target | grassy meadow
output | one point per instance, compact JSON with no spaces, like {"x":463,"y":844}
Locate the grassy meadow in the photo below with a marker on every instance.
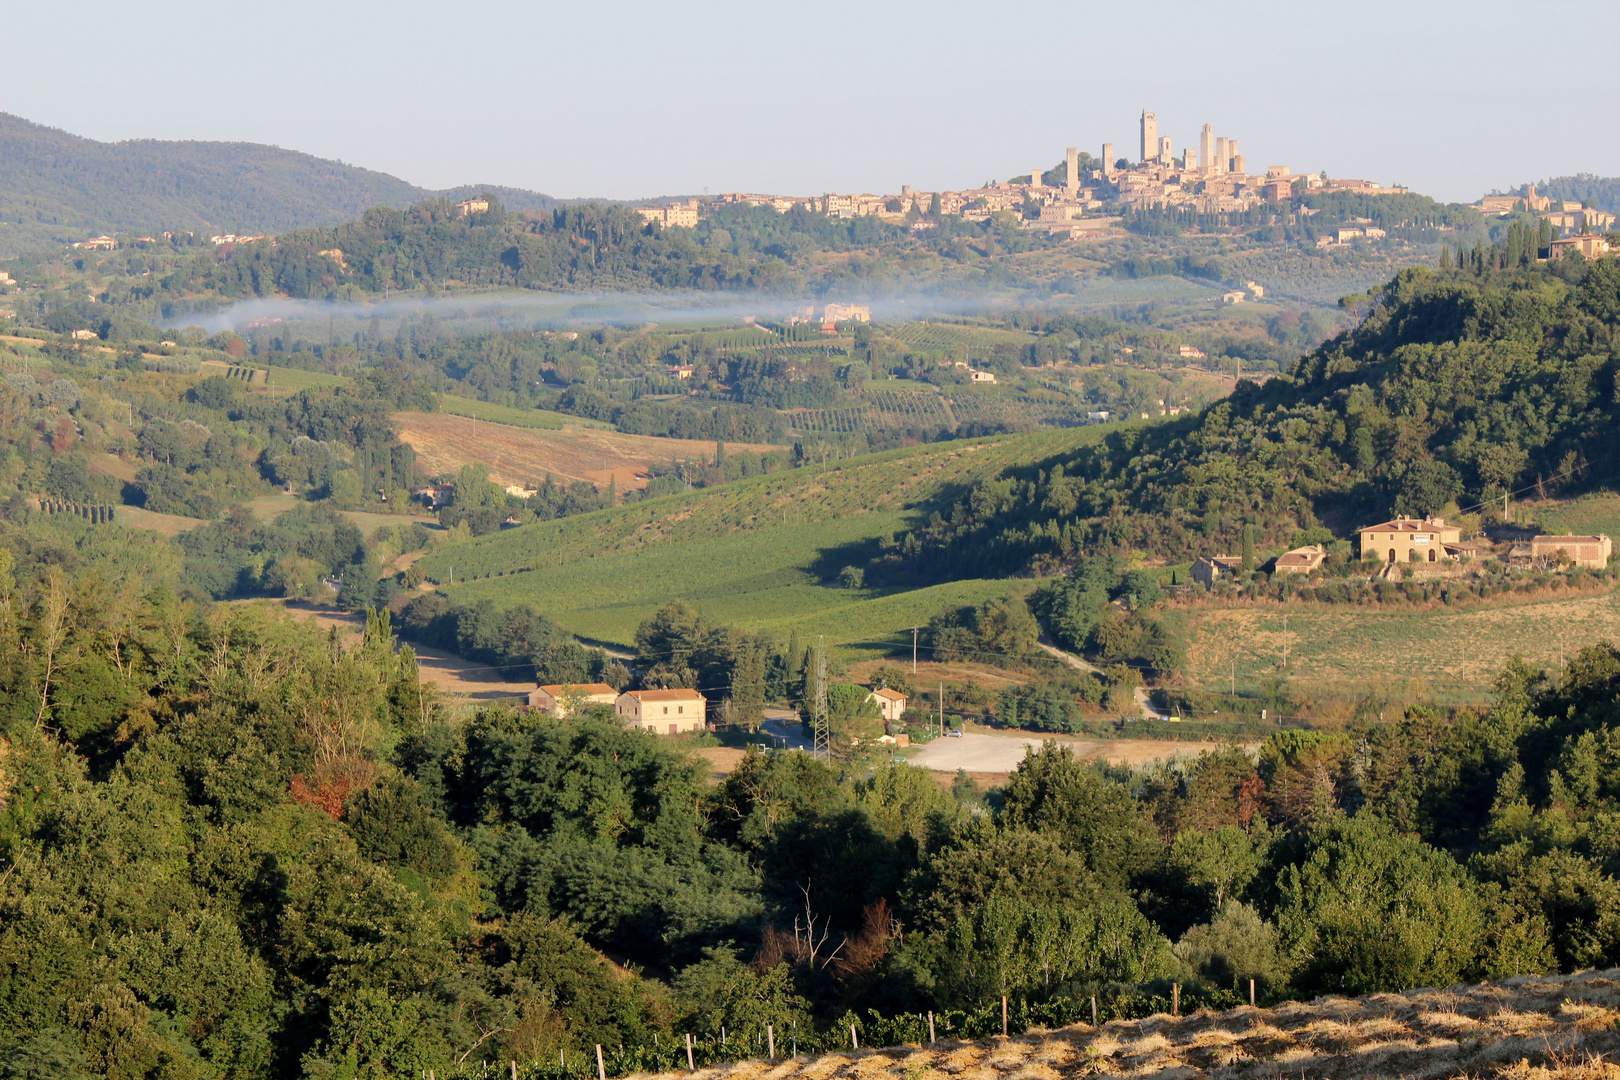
{"x":286,"y":378}
{"x":760,"y":553}
{"x":1355,"y":652}
{"x":1598,"y":512}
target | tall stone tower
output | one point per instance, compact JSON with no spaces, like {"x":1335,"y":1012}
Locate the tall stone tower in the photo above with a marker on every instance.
{"x":1166,"y":150}
{"x":1108,"y":159}
{"x":1223,"y":153}
{"x":1150,"y":136}
{"x":1071,"y":170}
{"x":1206,"y":148}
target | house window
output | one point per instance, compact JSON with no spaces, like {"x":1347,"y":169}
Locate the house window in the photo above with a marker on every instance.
{"x":666,"y":710}
{"x":680,"y":708}
{"x":1431,"y":554}
{"x":1391,"y":554}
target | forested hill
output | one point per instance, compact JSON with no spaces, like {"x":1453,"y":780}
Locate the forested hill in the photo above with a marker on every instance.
{"x":56,"y":188}
{"x":1459,"y":385}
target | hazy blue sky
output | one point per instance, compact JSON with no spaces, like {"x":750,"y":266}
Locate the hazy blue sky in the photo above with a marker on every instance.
{"x":626,"y":99}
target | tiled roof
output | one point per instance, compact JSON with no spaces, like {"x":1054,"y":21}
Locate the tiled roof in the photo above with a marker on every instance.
{"x":665,"y":695}
{"x":1407,"y":525}
{"x":559,"y":689}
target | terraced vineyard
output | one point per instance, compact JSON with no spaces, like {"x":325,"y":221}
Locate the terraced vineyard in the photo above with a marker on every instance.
{"x":751,"y":338}
{"x":757,"y":553}
{"x":889,"y":410}
{"x":900,"y":408}
{"x":829,"y":421}
{"x":503,"y":414}
{"x":975,"y":341}
{"x":982,"y":408}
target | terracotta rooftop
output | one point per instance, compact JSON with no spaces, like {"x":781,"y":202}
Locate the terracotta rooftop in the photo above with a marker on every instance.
{"x":559,"y":689}
{"x":664,"y":695}
{"x":1411,"y":525}
{"x":892,"y":695}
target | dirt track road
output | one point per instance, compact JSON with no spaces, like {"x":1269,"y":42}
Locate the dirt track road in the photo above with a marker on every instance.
{"x":455,"y":678}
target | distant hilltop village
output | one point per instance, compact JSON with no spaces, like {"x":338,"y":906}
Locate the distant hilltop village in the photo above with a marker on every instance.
{"x":1564,"y":217}
{"x":1075,"y":197}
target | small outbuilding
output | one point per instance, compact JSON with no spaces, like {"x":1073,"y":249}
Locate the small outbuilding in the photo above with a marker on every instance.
{"x":1301,"y":560}
{"x":1589,"y":551}
{"x":891,"y":703}
{"x":1211,"y":568}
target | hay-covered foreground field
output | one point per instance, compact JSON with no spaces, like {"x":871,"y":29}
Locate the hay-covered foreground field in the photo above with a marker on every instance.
{"x":1518,"y":1029}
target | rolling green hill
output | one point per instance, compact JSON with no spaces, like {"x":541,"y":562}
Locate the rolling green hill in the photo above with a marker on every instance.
{"x":56,"y":188}
{"x":760,"y":553}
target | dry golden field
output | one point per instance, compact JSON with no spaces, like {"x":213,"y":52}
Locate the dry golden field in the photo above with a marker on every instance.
{"x":1519,"y":1029}
{"x":444,"y":443}
{"x":1401,"y":652}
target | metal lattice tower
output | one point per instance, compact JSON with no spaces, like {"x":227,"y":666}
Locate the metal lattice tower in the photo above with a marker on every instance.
{"x":822,"y":746}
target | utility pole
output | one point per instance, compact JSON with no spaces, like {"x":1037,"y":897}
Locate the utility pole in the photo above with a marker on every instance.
{"x":942,"y":708}
{"x":1285,"y":642}
{"x":914,"y":650}
{"x":822,"y":746}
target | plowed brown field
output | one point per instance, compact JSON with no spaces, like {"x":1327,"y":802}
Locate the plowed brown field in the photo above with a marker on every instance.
{"x":444,"y":443}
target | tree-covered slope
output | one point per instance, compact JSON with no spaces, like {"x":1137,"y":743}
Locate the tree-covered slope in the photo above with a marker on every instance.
{"x":1458,"y":386}
{"x":56,"y":187}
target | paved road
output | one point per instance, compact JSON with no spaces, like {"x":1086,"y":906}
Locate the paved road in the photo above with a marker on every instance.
{"x":783,"y":724}
{"x":978,"y":752}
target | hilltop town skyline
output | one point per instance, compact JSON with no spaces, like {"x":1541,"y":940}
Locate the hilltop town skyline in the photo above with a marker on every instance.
{"x":952,"y":106}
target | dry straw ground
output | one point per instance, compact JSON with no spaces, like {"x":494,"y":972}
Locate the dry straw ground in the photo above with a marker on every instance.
{"x":1399,"y":652}
{"x":1517,"y":1029}
{"x":444,"y":443}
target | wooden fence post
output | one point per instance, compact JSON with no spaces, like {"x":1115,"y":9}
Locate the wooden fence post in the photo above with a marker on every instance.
{"x":1094,"y":1011}
{"x":1175,"y":999}
{"x":514,"y":1069}
{"x":930,"y":1029}
{"x":770,"y":1041}
{"x":1251,"y":992}
{"x":690,"y":1063}
{"x":1003,"y":1016}
{"x":601,"y":1069}
{"x":854,"y":1039}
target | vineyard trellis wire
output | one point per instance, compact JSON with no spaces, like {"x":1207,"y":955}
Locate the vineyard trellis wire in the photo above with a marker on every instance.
{"x":874,"y":1030}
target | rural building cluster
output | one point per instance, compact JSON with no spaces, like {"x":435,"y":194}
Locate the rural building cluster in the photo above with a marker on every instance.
{"x":675,"y":711}
{"x":1433,"y":544}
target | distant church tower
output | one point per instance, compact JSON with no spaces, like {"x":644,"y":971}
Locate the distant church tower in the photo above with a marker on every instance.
{"x":1150,"y":136}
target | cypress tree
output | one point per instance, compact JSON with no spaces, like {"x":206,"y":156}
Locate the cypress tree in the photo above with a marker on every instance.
{"x":1248,"y":548}
{"x":1445,"y":256}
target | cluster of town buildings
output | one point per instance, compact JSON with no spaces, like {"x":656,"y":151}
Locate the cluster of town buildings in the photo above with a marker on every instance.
{"x":1423,"y":541}
{"x":668,"y":712}
{"x":1565,"y":216}
{"x":1212,"y":177}
{"x":1575,"y":228}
